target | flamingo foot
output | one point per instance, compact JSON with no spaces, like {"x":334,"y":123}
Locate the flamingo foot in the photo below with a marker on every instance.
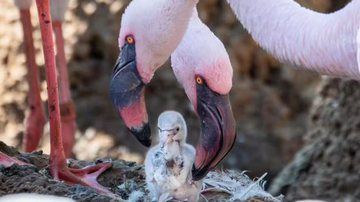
{"x":68,"y":126}
{"x":34,"y":129}
{"x":85,"y":176}
{"x":8,"y":161}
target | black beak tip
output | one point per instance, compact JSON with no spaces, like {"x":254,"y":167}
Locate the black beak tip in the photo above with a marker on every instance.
{"x":143,"y":134}
{"x":198,"y":174}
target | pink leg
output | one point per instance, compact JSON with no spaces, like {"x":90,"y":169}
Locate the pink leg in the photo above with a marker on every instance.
{"x":8,"y":161}
{"x":36,"y":120}
{"x":58,"y":167}
{"x":67,"y":109}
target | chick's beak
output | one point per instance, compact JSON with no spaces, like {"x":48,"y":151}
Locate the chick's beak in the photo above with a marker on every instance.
{"x":127,"y":94}
{"x":167,"y":136}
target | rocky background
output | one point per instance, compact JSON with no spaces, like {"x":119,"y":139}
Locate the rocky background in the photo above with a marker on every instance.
{"x":272,"y":102}
{"x":328,"y":166}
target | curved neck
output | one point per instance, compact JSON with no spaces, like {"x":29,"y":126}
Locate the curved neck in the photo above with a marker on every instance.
{"x":358,"y":49}
{"x":325,"y":43}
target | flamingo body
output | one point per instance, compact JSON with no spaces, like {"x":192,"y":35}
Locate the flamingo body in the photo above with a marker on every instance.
{"x":33,"y":197}
{"x":23,"y":4}
{"x":58,"y":8}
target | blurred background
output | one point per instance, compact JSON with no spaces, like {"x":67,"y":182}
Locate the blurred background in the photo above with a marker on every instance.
{"x":271,"y":100}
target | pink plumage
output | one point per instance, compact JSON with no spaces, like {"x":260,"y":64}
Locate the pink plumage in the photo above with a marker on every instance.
{"x":201,"y":53}
{"x":58,"y":8}
{"x":325,"y":43}
{"x":23,"y":4}
{"x":358,"y":49}
{"x":157,"y":27}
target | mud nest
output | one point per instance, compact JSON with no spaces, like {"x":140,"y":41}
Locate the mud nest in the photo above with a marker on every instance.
{"x":123,"y":178}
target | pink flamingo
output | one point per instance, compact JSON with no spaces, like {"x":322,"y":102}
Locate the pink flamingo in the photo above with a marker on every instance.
{"x":58,"y":167}
{"x":325,"y":43}
{"x":202,"y":66}
{"x":150,"y":32}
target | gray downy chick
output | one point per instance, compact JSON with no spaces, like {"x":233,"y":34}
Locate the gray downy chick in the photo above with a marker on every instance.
{"x":168,"y":164}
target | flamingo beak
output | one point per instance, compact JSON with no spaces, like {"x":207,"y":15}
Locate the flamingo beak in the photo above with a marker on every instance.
{"x":168,"y":135}
{"x":127,"y":94}
{"x":218,"y":131}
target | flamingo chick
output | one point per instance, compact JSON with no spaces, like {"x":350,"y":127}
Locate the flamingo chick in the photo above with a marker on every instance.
{"x":325,"y":43}
{"x":202,"y":66}
{"x":168,"y":164}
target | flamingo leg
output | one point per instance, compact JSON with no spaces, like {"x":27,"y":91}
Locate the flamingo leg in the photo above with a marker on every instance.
{"x":35,"y":121}
{"x":58,"y":167}
{"x":67,"y":109}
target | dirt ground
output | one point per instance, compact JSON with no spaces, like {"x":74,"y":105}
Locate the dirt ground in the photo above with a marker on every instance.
{"x":274,"y":105}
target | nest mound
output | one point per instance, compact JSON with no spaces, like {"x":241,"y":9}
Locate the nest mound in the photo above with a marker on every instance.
{"x":125,"y":179}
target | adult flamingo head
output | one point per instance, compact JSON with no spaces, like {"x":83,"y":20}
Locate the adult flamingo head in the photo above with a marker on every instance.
{"x":202,"y":66}
{"x":150,"y":32}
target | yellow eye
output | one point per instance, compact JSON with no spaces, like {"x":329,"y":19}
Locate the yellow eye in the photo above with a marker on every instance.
{"x":130,"y":39}
{"x":199,"y":80}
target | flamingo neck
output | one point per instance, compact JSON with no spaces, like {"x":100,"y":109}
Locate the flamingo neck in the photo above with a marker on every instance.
{"x":358,"y":49}
{"x":325,"y":43}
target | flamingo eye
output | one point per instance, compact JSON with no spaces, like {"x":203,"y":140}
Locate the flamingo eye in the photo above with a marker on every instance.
{"x":199,"y":80}
{"x":130,"y":39}
{"x":177,"y":129}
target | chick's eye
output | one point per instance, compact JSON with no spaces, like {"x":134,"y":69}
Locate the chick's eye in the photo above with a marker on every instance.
{"x":130,"y":39}
{"x":177,"y":128}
